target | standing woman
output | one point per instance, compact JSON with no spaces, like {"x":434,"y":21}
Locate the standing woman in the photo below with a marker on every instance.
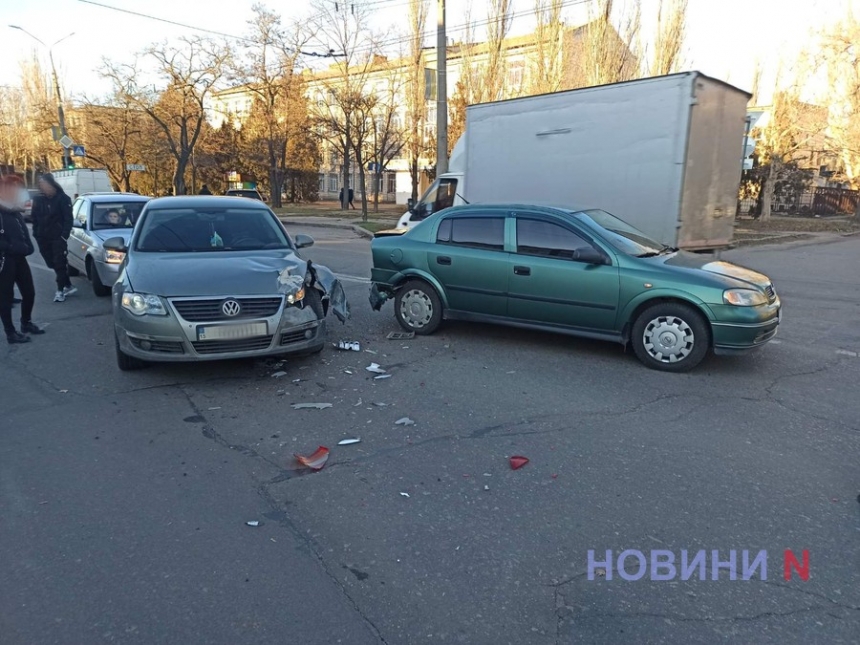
{"x":15,"y":246}
{"x":52,"y":225}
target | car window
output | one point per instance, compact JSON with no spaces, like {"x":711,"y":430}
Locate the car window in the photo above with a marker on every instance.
{"x":444,"y":233}
{"x":477,"y":232}
{"x":175,"y":230}
{"x":620,"y":234}
{"x":545,"y":239}
{"x":116,"y":214}
{"x":79,"y":213}
{"x":438,"y":197}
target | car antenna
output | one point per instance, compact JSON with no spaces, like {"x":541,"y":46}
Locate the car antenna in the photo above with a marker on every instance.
{"x":463,"y":198}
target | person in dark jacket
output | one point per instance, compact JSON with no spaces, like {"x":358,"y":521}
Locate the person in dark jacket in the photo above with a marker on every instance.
{"x":15,"y":246}
{"x":205,"y":190}
{"x":52,"y":225}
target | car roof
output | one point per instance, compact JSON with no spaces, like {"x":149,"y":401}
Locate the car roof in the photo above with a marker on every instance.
{"x":202,"y":201}
{"x":481,"y":209}
{"x":112,"y":197}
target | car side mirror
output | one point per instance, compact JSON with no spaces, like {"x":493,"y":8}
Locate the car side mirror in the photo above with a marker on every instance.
{"x":304,"y":241}
{"x":78,"y":224}
{"x":590,"y":255}
{"x":115,"y":244}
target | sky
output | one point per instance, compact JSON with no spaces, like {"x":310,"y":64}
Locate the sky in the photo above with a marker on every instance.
{"x":725,"y":38}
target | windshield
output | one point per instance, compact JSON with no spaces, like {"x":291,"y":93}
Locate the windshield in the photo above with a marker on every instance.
{"x":116,"y":214}
{"x":621,"y":235}
{"x":175,"y":230}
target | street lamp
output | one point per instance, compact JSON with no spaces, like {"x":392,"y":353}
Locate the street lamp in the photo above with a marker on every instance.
{"x":67,"y":161}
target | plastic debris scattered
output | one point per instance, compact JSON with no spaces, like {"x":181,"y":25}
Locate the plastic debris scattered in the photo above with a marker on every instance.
{"x":64,"y":391}
{"x":518,"y":462}
{"x":348,"y":442}
{"x":486,"y":487}
{"x":405,"y":421}
{"x":298,"y":380}
{"x":315,"y":461}
{"x":380,"y":404}
{"x":381,"y":376}
{"x":370,"y":351}
{"x":348,"y":345}
{"x":216,"y":408}
{"x":400,"y":335}
{"x":308,"y":406}
{"x":357,"y":404}
{"x":405,"y":494}
{"x":348,"y":372}
{"x":253,"y":523}
{"x":375,"y":368}
{"x":279,"y":374}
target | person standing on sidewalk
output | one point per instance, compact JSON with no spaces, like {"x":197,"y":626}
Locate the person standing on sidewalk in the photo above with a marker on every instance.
{"x":15,"y":246}
{"x":52,"y":225}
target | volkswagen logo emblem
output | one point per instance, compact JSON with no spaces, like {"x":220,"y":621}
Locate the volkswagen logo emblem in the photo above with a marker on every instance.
{"x":231,"y":308}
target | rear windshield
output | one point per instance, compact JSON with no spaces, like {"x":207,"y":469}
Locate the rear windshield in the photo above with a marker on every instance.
{"x":253,"y":194}
{"x":183,"y":230}
{"x":116,"y":214}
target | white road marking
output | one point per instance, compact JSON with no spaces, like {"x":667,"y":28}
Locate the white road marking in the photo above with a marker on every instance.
{"x":845,"y":352}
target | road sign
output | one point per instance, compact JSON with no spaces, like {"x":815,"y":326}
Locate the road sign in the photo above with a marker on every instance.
{"x":79,"y":151}
{"x":66,"y":141}
{"x":135,"y":166}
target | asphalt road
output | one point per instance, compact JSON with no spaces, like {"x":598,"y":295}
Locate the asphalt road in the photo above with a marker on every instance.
{"x":124,"y":496}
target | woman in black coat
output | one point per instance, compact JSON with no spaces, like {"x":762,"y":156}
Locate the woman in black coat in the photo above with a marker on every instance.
{"x":15,"y":246}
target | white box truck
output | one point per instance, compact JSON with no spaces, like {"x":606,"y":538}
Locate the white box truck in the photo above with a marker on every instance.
{"x":664,"y":153}
{"x":77,"y":181}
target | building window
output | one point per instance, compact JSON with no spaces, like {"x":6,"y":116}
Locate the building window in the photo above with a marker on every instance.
{"x":515,"y":77}
{"x":321,"y":185}
{"x":332,"y":183}
{"x":391,"y":181}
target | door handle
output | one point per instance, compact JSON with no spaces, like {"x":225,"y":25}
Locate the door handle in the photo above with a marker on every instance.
{"x":522,"y":270}
{"x":443,"y":259}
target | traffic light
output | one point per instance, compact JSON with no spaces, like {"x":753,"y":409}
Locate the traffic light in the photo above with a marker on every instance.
{"x":70,"y":164}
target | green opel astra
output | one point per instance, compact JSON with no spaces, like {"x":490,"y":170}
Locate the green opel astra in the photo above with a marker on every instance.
{"x":579,"y":272}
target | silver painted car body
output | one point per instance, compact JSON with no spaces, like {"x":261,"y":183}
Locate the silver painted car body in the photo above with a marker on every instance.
{"x":201,"y":289}
{"x":86,"y":244}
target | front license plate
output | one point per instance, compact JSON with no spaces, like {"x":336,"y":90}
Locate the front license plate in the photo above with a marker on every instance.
{"x":232,"y":332}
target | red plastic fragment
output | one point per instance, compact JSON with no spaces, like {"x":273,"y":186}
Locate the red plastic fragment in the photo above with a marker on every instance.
{"x":518,"y":462}
{"x":315,"y":461}
{"x":555,"y":476}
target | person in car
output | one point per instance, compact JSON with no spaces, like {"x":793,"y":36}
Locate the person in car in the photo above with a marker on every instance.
{"x":52,"y":225}
{"x":15,"y":246}
{"x":113,"y":219}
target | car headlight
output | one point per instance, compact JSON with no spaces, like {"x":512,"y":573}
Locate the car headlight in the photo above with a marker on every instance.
{"x":298,"y":296}
{"x":744,"y":297}
{"x":114,"y":257}
{"x":141,"y":304}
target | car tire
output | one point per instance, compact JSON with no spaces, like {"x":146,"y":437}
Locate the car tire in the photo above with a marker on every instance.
{"x":99,"y":288}
{"x":670,"y":337}
{"x":125,"y":362}
{"x":418,"y":307}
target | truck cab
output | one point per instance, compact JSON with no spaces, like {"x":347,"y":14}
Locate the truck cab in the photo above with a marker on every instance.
{"x":443,"y":193}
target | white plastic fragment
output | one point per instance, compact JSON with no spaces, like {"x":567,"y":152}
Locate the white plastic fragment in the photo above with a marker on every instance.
{"x":370,"y":351}
{"x":279,"y":374}
{"x":307,"y":406}
{"x":381,"y":376}
{"x":348,"y":442}
{"x":486,"y":487}
{"x":348,"y":345}
{"x":405,"y":421}
{"x":357,"y":404}
{"x":405,"y":494}
{"x":348,"y":372}
{"x":375,"y":368}
{"x":253,"y":523}
{"x":215,"y":408}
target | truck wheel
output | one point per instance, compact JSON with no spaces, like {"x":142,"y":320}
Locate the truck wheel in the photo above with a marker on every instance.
{"x":125,"y":362}
{"x":99,"y":289}
{"x":671,"y":337}
{"x":418,"y":308}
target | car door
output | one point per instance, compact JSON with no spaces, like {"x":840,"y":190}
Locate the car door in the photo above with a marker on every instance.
{"x":79,"y":237}
{"x":549,"y":283}
{"x":470,"y":262}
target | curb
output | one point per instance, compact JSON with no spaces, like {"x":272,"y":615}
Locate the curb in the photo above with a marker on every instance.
{"x":363,"y":232}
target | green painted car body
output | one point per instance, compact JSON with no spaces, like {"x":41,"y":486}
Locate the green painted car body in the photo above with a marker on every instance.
{"x":595,"y":284}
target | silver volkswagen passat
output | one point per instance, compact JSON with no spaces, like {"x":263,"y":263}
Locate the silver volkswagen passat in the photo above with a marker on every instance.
{"x":207,"y":278}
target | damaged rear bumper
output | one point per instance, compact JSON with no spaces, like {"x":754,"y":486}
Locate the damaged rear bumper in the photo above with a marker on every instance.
{"x":379,"y":297}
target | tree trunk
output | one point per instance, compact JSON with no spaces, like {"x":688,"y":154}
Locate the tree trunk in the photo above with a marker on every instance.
{"x":363,"y":182}
{"x":376,"y":191}
{"x":179,"y":187}
{"x":767,"y":192}
{"x":413,"y":174}
{"x":346,"y":148}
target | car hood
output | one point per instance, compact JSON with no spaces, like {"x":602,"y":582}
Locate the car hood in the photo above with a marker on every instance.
{"x":177,"y":275}
{"x":735,"y":273}
{"x":124,"y":233}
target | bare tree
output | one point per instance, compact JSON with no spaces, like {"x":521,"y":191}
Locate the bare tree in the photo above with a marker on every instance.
{"x":388,"y":138}
{"x":608,"y":53}
{"x":190,"y":69}
{"x":756,"y":83}
{"x":344,"y":30}
{"x":416,"y":92}
{"x":499,"y":23}
{"x":548,"y":65}
{"x":669,"y":41}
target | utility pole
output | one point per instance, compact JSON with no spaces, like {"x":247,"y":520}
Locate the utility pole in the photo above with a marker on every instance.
{"x":67,"y":160}
{"x":441,"y":91}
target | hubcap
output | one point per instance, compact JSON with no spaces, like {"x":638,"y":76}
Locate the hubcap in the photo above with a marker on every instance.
{"x":416,"y":308}
{"x":668,"y":339}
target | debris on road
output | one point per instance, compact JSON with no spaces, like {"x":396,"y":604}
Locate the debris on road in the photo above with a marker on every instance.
{"x":315,"y":461}
{"x":279,"y":374}
{"x":348,"y":442}
{"x":348,"y":345}
{"x":486,"y":487}
{"x":375,"y":368}
{"x":215,"y":408}
{"x":253,"y":523}
{"x":405,"y":421}
{"x":405,"y":494}
{"x":348,"y":372}
{"x":400,"y":335}
{"x":298,"y":380}
{"x":381,"y":376}
{"x":380,"y":404}
{"x":64,"y":391}
{"x":518,"y":462}
{"x":308,"y":406}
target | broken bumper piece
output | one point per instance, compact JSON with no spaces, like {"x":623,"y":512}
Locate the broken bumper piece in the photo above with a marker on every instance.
{"x":377,"y":298}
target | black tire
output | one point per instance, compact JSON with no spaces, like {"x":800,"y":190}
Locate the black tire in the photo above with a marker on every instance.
{"x":99,"y":289}
{"x":684,"y":329}
{"x":418,"y":307}
{"x":125,"y":362}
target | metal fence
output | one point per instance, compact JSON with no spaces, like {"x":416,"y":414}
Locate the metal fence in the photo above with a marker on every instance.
{"x":819,"y":202}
